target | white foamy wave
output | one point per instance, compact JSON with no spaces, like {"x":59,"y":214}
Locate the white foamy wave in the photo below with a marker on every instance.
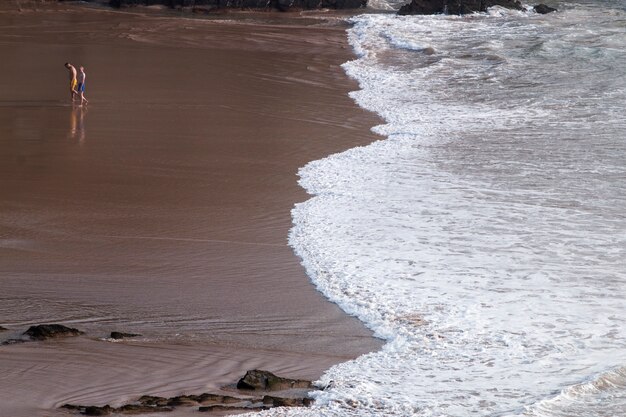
{"x":484,"y":239}
{"x":587,"y":398}
{"x":380,"y":5}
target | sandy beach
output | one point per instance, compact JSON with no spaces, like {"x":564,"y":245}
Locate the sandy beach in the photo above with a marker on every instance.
{"x":164,"y":207}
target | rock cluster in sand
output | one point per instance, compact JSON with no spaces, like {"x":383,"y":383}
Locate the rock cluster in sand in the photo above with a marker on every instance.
{"x":287,"y":392}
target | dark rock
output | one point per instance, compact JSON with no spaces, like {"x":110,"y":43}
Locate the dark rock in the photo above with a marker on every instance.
{"x":221,"y":399}
{"x":543,"y":9}
{"x":140,"y":409}
{"x":273,"y":401}
{"x":190,"y":400}
{"x":106,"y":410}
{"x":220,"y":407}
{"x":98,"y":411}
{"x":455,"y":6}
{"x":208,"y":6}
{"x":227,"y":399}
{"x":253,"y":380}
{"x":49,"y":331}
{"x":183,"y":400}
{"x":210,"y":398}
{"x":153,"y":401}
{"x":3,"y":329}
{"x":121,"y":335}
{"x":258,"y":380}
{"x":72,"y":407}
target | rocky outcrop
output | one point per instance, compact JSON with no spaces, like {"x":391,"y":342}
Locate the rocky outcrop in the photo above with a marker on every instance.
{"x":229,"y":408}
{"x":50,"y":331}
{"x":153,"y":404}
{"x":121,"y":335}
{"x":107,"y":409}
{"x":203,"y":6}
{"x":455,"y":6}
{"x":287,"y":393}
{"x":543,"y":9}
{"x":258,"y":380}
{"x":44,"y":332}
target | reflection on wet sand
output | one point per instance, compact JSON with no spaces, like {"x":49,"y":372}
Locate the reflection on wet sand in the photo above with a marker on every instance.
{"x":77,"y":123}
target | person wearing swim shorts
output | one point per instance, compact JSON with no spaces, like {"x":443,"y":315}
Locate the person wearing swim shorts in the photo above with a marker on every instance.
{"x":73,"y":81}
{"x":81,"y":86}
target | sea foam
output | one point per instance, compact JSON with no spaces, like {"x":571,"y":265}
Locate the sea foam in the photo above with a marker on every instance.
{"x":483,"y":237}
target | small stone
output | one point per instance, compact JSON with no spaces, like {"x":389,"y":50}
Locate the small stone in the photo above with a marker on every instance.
{"x":543,"y":9}
{"x":121,"y":335}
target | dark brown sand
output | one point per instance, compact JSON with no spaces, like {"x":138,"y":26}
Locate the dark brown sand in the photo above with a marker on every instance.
{"x":164,"y":207}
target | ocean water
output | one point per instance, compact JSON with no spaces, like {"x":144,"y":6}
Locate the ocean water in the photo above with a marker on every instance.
{"x":484,"y":236}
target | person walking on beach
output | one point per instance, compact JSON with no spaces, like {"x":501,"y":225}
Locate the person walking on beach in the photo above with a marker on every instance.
{"x":73,"y":81}
{"x":81,"y":86}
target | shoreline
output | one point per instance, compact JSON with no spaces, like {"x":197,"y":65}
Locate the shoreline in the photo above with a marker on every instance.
{"x":164,"y":207}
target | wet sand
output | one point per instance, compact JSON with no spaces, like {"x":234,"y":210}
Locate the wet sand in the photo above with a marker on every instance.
{"x":164,"y":207}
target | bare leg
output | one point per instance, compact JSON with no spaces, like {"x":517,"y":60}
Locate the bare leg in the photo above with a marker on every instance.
{"x":83,"y":98}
